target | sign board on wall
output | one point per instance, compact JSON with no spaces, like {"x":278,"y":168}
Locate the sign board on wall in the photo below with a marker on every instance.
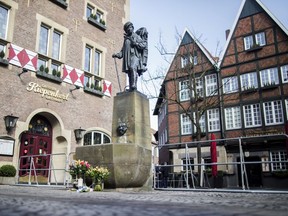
{"x":6,"y":147}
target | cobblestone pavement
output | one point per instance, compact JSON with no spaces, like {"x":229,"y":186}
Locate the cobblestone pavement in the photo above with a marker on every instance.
{"x":23,"y":200}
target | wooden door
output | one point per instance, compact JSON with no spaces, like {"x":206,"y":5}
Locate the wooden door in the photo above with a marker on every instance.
{"x":36,"y":145}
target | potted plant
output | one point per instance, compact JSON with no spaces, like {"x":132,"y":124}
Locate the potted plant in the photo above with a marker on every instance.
{"x":61,"y":3}
{"x":2,"y":60}
{"x":98,"y":175}
{"x":7,"y":174}
{"x":54,"y":72}
{"x":42,"y":68}
{"x":78,"y":170}
{"x":46,"y":70}
{"x":44,"y":73}
{"x":92,"y":19}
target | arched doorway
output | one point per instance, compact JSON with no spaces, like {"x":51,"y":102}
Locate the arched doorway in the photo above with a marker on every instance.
{"x":35,"y":143}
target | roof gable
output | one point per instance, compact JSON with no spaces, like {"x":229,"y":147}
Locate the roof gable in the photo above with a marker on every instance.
{"x":187,"y":39}
{"x":249,"y":8}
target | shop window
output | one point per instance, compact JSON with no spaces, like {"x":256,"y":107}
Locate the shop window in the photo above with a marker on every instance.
{"x":96,"y":138}
{"x":187,"y":163}
{"x":207,"y":162}
{"x":279,"y":159}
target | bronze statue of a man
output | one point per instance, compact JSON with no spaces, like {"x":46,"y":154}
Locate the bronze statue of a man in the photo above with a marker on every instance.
{"x":134,"y":53}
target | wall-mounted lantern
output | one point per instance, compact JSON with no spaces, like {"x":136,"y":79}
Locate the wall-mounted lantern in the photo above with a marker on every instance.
{"x":10,"y":122}
{"x":79,"y":133}
{"x":24,"y":70}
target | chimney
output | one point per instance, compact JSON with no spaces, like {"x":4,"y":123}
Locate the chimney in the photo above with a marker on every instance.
{"x":227,"y":32}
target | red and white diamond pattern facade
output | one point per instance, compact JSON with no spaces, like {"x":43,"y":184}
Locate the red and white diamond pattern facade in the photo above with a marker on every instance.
{"x":107,"y":88}
{"x":27,"y":59}
{"x":73,"y":76}
{"x":22,"y":57}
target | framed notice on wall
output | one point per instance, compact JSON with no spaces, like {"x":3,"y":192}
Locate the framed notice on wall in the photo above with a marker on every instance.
{"x":7,"y":147}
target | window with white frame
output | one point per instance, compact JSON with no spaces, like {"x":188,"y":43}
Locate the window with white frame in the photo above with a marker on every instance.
{"x":99,"y":15}
{"x":252,"y":115}
{"x":50,"y":45}
{"x":273,"y":112}
{"x":230,"y":84}
{"x":279,"y":158}
{"x":92,"y":67}
{"x":184,"y":90}
{"x":94,"y":12}
{"x":213,"y":118}
{"x":199,"y":87}
{"x":43,"y":40}
{"x":286,"y":104}
{"x":249,"y":81}
{"x":4,"y":13}
{"x":187,"y":163}
{"x":284,"y":73}
{"x":211,"y":85}
{"x":185,"y":60}
{"x":202,"y":123}
{"x":2,"y":47}
{"x":207,"y":162}
{"x":186,"y":124}
{"x":232,"y":118}
{"x":7,"y":14}
{"x":56,"y":44}
{"x":48,"y":34}
{"x":260,"y":39}
{"x":96,"y":137}
{"x":89,"y":10}
{"x":163,"y":138}
{"x":250,"y":42}
{"x":162,"y":112}
{"x":269,"y":77}
{"x":195,"y":58}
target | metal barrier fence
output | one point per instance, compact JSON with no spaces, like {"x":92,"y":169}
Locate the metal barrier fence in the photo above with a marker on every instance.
{"x":195,"y":176}
{"x":53,"y":174}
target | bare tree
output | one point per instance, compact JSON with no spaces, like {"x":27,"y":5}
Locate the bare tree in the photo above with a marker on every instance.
{"x":186,"y":77}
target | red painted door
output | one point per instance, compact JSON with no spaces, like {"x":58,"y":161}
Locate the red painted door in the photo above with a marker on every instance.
{"x":36,"y":144}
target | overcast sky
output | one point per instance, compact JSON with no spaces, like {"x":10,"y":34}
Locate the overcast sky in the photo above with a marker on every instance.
{"x":206,"y":19}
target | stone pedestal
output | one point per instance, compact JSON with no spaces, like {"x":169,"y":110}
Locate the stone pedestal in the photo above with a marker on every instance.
{"x":128,"y":157}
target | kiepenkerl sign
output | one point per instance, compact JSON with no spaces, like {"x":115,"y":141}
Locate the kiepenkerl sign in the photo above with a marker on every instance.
{"x":49,"y":93}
